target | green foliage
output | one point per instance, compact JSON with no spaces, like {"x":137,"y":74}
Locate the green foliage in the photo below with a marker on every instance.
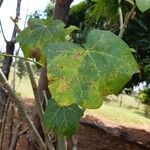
{"x":78,"y":75}
{"x":49,"y":9}
{"x":147,"y":111}
{"x":144,"y":96}
{"x":102,"y":68}
{"x":35,"y":37}
{"x":70,"y":29}
{"x":21,"y":70}
{"x":63,"y":120}
{"x":143,"y":5}
{"x":147,"y":73}
{"x":101,"y":8}
{"x":137,"y":35}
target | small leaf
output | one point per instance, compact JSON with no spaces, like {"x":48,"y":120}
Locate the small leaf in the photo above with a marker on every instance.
{"x":63,"y":120}
{"x":143,"y":5}
{"x":70,"y":29}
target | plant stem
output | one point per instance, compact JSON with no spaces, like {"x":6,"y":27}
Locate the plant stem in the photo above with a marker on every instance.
{"x":15,"y":137}
{"x":38,"y":103}
{"x":61,"y":143}
{"x":120,"y":18}
{"x":1,"y":1}
{"x":21,"y":110}
{"x":124,"y":22}
{"x":2,"y":32}
{"x":34,"y":88}
{"x":26,"y":59}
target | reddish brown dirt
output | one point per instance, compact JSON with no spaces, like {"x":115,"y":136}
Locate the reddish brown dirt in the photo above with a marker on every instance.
{"x":93,"y":134}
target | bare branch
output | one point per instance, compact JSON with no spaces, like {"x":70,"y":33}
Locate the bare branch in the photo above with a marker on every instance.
{"x":3,"y":125}
{"x":126,"y":21}
{"x":21,"y":110}
{"x":34,"y":88}
{"x":17,"y":18}
{"x":14,"y":137}
{"x":120,"y":18}
{"x":1,"y":1}
{"x":23,"y":131}
{"x":23,"y":58}
{"x":2,"y":31}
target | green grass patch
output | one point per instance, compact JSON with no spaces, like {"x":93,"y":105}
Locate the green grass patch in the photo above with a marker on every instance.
{"x":124,"y":114}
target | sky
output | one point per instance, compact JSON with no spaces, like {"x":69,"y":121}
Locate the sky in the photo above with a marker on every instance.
{"x":8,"y":9}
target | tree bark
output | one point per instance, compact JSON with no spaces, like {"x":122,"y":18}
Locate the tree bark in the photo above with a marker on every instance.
{"x":61,"y":10}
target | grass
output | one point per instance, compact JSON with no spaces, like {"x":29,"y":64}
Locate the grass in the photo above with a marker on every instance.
{"x":128,"y":113}
{"x":23,"y":86}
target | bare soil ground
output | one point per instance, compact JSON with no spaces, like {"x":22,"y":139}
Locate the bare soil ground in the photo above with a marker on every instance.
{"x":96,"y":134}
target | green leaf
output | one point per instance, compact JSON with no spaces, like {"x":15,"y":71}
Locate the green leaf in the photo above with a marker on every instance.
{"x":107,"y":66}
{"x":143,"y":5}
{"x":38,"y":34}
{"x":63,"y":120}
{"x":85,"y":76}
{"x":101,"y":8}
{"x":70,"y":29}
{"x":63,"y":60}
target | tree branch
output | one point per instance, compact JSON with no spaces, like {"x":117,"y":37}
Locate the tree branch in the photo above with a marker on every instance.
{"x":15,"y":137}
{"x":26,"y":59}
{"x":1,"y":1}
{"x":120,"y":18}
{"x":17,"y":18}
{"x":3,"y":32}
{"x":21,"y":110}
{"x":124,"y":23}
{"x":34,"y":88}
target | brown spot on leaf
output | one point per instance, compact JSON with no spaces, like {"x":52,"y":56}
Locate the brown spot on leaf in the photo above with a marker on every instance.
{"x":36,"y":53}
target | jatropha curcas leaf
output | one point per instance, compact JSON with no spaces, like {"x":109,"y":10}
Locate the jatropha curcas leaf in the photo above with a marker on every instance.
{"x":64,"y":120}
{"x":84,"y":76}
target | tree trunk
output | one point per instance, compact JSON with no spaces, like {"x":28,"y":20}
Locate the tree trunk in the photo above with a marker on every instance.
{"x":61,"y":10}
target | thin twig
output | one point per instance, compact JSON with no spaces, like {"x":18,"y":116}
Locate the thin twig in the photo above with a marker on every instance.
{"x":14,"y":137}
{"x":2,"y":31}
{"x":120,"y":17}
{"x":21,"y":110}
{"x":34,"y":88}
{"x":124,"y":22}
{"x":61,"y":143}
{"x":45,"y":97}
{"x":1,"y":2}
{"x":14,"y":71}
{"x":10,"y":122}
{"x":16,"y":27}
{"x":38,"y":103}
{"x":23,"y":131}
{"x":3,"y":125}
{"x":26,"y":59}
